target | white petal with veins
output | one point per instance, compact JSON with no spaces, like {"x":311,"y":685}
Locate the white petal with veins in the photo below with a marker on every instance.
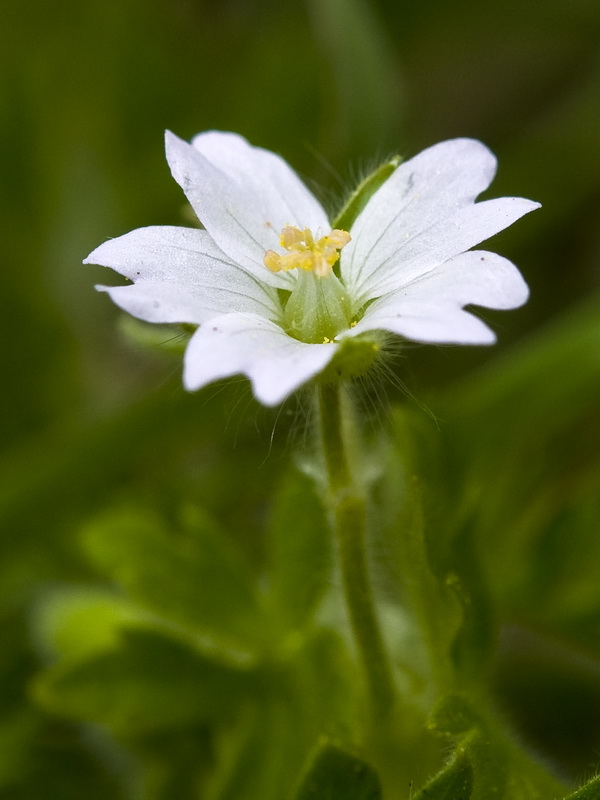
{"x":241,"y":208}
{"x":209,"y":282}
{"x":430,"y":308}
{"x":423,"y":215}
{"x":276,"y":364}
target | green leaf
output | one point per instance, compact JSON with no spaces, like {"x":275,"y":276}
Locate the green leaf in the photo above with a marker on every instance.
{"x":534,"y":526}
{"x":17,"y":732}
{"x":338,"y":775}
{"x":261,"y":756}
{"x":45,"y":758}
{"x":300,"y":546}
{"x":454,"y":715}
{"x":591,"y":791}
{"x":265,"y":754}
{"x":78,"y":623}
{"x":454,"y":782}
{"x":172,"y":764}
{"x":500,"y":767}
{"x":146,"y":683}
{"x":434,"y":610}
{"x":192,"y":576}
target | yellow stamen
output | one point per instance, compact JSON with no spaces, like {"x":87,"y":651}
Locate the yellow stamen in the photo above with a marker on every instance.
{"x":304,"y":253}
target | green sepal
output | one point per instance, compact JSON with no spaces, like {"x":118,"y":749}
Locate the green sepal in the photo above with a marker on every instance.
{"x":335,"y":774}
{"x":353,"y":358}
{"x":363,"y":193}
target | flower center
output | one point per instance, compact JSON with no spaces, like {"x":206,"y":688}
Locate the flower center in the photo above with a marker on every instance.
{"x":305,"y":253}
{"x":318,"y":306}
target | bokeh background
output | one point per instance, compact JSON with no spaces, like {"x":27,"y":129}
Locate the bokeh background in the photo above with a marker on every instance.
{"x":89,"y":417}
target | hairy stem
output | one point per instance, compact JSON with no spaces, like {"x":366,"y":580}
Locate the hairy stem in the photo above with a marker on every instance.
{"x":348,"y":508}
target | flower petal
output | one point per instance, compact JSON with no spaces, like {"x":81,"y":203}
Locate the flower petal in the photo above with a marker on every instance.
{"x":251,"y":345}
{"x":423,"y":215}
{"x":429,"y":309}
{"x":153,"y":301}
{"x":243,"y":195}
{"x":199,"y":280}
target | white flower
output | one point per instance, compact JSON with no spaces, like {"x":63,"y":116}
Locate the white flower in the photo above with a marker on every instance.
{"x":259,"y":283}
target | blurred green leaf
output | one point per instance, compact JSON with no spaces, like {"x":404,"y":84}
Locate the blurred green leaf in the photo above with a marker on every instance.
{"x":364,"y":100}
{"x":537,"y":406}
{"x":191,"y":575}
{"x":540,"y":387}
{"x":147,"y":682}
{"x":312,"y":693}
{"x":300,"y":546}
{"x":335,"y":774}
{"x":413,"y":537}
{"x":261,"y":756}
{"x":591,"y":791}
{"x":549,"y":687}
{"x":17,"y":732}
{"x":173,"y":763}
{"x":500,"y":768}
{"x":54,"y":760}
{"x":454,"y":782}
{"x":76,"y":622}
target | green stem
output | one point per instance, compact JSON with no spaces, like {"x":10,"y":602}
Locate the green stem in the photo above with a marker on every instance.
{"x":348,"y":508}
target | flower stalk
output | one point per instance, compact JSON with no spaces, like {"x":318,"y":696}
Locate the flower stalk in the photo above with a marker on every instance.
{"x":348,"y":511}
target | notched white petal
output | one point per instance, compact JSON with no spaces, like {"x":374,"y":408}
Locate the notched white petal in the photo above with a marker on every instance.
{"x":156,"y":302}
{"x":276,"y":364}
{"x":425,"y":198}
{"x":430,"y":308}
{"x":428,"y":187}
{"x":164,"y":255}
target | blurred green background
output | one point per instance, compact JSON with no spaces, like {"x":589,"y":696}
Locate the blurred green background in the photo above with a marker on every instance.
{"x":88,"y":419}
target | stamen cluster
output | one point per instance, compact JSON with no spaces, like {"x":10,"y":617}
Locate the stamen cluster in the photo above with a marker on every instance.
{"x":305,"y":253}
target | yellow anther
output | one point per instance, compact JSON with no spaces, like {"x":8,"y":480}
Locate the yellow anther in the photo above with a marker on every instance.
{"x":304,"y":253}
{"x":272,"y":260}
{"x":339,"y":238}
{"x":291,"y":237}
